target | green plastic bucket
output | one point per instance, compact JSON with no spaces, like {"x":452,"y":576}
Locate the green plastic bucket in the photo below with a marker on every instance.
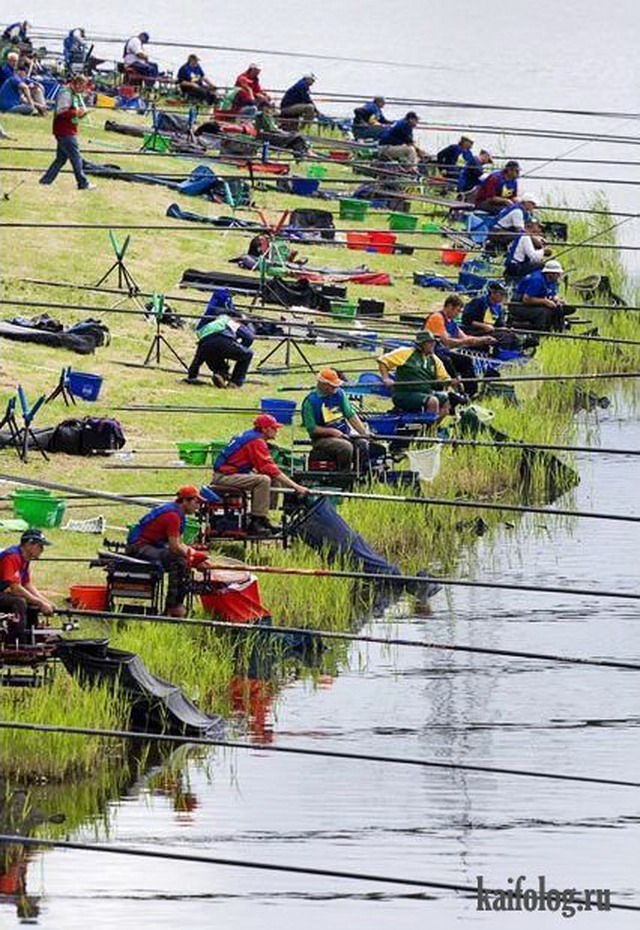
{"x":316,"y":171}
{"x":193,"y":453}
{"x":430,"y":227}
{"x":402,"y":221}
{"x":343,"y":310}
{"x":38,"y":507}
{"x":351,"y":209}
{"x":191,"y":530}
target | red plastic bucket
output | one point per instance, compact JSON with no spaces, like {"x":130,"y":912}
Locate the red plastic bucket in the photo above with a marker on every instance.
{"x":89,"y":596}
{"x":237,"y":604}
{"x":340,"y":155}
{"x":381,"y":242}
{"x":452,"y":257}
{"x":358,"y":240}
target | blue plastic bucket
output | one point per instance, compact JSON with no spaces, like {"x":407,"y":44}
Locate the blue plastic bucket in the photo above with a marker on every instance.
{"x":304,"y":186}
{"x":282,"y":410}
{"x":82,"y":384}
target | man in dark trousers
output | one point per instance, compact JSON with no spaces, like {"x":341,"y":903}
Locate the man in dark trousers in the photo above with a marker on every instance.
{"x":18,"y":595}
{"x":222,"y":334}
{"x":70,"y":109}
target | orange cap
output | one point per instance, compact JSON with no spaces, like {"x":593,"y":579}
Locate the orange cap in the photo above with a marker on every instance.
{"x":330,"y":376}
{"x":187,"y":491}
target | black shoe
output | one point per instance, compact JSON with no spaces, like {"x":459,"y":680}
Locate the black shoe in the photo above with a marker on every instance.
{"x":259,"y":529}
{"x":264,"y":521}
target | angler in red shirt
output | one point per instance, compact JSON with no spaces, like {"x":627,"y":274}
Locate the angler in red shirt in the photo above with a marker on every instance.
{"x":250,"y":93}
{"x":245,"y":464}
{"x":18,"y":595}
{"x":70,"y":109}
{"x":157,"y":537}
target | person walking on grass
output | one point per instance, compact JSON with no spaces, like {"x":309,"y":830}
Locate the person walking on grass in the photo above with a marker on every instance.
{"x":70,"y":109}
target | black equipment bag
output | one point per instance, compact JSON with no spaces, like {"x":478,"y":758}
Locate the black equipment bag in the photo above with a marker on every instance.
{"x":90,"y":434}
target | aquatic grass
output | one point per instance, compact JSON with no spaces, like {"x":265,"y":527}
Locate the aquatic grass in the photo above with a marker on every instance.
{"x":32,"y":756}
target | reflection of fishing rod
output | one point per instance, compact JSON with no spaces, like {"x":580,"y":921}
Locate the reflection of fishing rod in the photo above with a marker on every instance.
{"x":603,"y":375}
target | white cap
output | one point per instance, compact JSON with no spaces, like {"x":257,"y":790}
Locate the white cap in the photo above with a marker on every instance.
{"x":527,"y":197}
{"x":553,"y":267}
{"x":309,"y":77}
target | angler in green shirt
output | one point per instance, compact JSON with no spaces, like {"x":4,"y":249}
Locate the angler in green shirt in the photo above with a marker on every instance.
{"x":418,"y":383}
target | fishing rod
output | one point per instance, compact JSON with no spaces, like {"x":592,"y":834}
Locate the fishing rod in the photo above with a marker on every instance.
{"x":270,"y":630}
{"x":467,"y":890}
{"x":210,"y":229}
{"x":521,"y":444}
{"x":164,"y":175}
{"x":260,"y":51}
{"x":241,"y":158}
{"x":303,"y":311}
{"x":409,"y":499}
{"x":514,"y":379}
{"x":317,"y":753}
{"x":382,"y":498}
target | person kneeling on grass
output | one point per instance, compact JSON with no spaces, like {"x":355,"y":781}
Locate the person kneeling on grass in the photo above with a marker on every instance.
{"x":18,"y":595}
{"x":245,"y":464}
{"x":157,"y":537}
{"x":222,"y":333}
{"x":337,"y":433}
{"x":419,"y":381}
{"x":70,"y":109}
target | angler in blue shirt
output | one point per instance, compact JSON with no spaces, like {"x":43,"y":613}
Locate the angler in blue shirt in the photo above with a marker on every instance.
{"x":297,"y":103}
{"x":536,"y":304}
{"x":369,"y":120}
{"x":396,"y":142}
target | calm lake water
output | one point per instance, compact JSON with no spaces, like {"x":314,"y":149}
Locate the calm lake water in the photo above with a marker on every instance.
{"x":427,"y":824}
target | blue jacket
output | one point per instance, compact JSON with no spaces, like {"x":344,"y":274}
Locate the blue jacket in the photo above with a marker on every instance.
{"x":136,"y":531}
{"x":399,"y":133}
{"x":242,"y":439}
{"x":535,"y":285}
{"x":368,"y":112}
{"x":298,"y":93}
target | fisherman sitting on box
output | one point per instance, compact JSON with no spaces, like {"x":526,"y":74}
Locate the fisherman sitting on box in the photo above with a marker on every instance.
{"x":337,"y":433}
{"x":157,"y":537}
{"x":245,"y":464}
{"x":18,"y":595}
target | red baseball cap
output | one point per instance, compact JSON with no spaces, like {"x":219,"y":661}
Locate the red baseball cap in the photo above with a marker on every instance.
{"x":266,"y":421}
{"x":187,"y":491}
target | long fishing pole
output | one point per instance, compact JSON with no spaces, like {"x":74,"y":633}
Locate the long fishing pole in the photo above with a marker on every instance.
{"x":183,"y":176}
{"x":522,"y":445}
{"x":508,"y":586}
{"x":317,"y":753}
{"x":271,"y":630}
{"x":203,"y":228}
{"x":468,"y":890}
{"x":145,"y":153}
{"x":383,"y":498}
{"x":302,"y":311}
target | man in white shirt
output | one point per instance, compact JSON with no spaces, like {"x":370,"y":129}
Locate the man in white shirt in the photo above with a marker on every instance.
{"x":511,"y":221}
{"x":136,"y":59}
{"x":526,"y":253}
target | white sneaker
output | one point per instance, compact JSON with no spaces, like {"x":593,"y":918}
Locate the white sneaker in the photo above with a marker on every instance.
{"x":89,"y":187}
